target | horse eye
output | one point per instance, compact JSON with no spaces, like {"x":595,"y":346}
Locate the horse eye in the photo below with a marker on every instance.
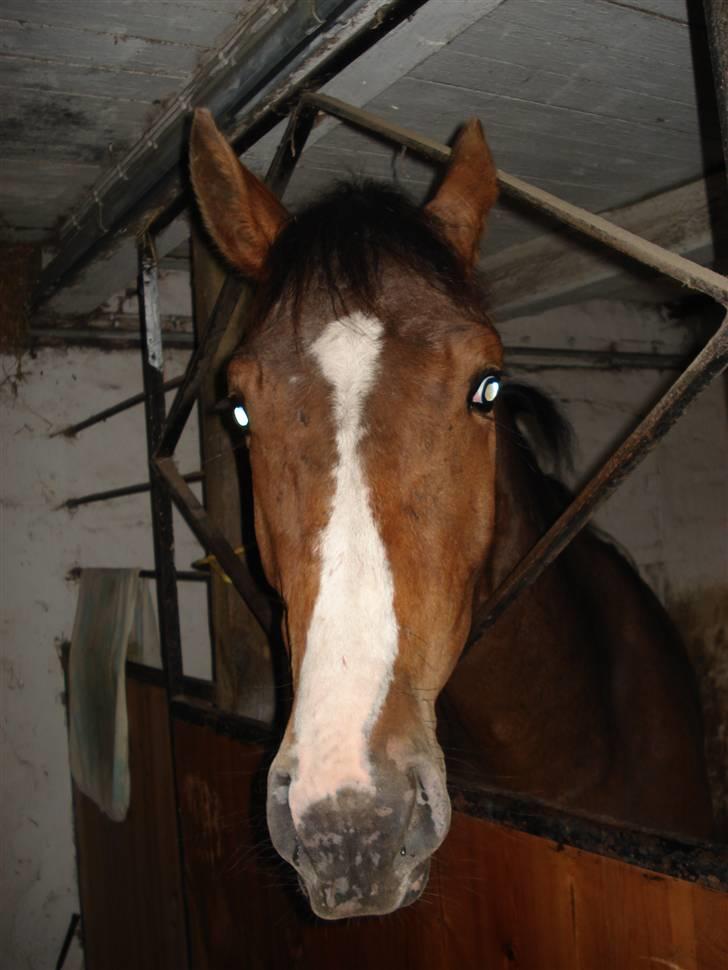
{"x":485,"y":393}
{"x":241,"y":416}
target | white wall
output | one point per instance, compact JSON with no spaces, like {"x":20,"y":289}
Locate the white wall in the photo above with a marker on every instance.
{"x":39,"y":545}
{"x":671,"y":515}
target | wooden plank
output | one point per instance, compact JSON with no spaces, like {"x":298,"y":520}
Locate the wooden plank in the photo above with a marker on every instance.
{"x":197,"y":22}
{"x":77,"y":45}
{"x":129,"y":874}
{"x":573,"y":138}
{"x":560,"y":268}
{"x":681,"y":11}
{"x":415,"y":40}
{"x":652,"y":55}
{"x":91,"y":81}
{"x":549,"y":84}
{"x":429,"y":30}
{"x":496,"y":898}
{"x":67,"y":127}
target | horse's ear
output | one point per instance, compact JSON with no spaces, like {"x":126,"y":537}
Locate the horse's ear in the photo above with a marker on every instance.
{"x":467,"y":192}
{"x":241,"y":214}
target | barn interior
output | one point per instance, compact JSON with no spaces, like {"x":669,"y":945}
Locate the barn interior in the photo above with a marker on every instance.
{"x":610,"y":106}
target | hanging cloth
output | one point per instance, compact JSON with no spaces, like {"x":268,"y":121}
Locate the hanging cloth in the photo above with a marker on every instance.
{"x":115,"y":621}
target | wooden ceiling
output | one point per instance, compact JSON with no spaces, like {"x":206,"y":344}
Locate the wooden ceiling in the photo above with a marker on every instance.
{"x":81,"y":81}
{"x":603,"y":102}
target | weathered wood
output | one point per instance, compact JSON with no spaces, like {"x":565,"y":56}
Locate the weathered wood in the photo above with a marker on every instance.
{"x":129,"y":874}
{"x":559,"y":268}
{"x":198,"y":22}
{"x":583,"y":34}
{"x":90,"y":82}
{"x":241,"y":653}
{"x":538,"y":80}
{"x":596,"y":227}
{"x":265,"y":65}
{"x":78,"y":45}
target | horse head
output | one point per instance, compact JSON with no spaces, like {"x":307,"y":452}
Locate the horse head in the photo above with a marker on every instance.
{"x":366,"y":380}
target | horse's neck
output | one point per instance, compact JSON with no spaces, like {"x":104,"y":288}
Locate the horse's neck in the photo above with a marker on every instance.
{"x":522,"y":686}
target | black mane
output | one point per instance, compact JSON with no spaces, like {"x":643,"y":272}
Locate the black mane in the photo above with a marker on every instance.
{"x":549,"y":433}
{"x":339,"y":242}
{"x":538,"y":428}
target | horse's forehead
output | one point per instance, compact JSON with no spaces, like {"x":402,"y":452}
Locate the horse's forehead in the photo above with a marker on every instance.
{"x":289,"y":353}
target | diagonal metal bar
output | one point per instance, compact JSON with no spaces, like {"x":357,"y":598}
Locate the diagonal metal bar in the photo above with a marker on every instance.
{"x":124,"y":405}
{"x":73,"y":503}
{"x":184,"y":401}
{"x":279,"y":174}
{"x":679,"y":268}
{"x":261,"y":606}
{"x":710,"y":362}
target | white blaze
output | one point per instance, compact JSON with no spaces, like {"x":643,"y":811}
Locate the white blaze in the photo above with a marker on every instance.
{"x":352,"y":640}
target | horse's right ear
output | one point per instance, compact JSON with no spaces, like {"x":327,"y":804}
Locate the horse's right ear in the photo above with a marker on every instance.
{"x":241,"y":214}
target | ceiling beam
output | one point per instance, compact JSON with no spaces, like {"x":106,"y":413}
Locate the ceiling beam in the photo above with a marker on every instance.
{"x":247,"y":84}
{"x":97,"y":252}
{"x":564,"y":267}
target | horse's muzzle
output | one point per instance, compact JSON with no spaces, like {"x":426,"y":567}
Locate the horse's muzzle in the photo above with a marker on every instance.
{"x":361,"y":854}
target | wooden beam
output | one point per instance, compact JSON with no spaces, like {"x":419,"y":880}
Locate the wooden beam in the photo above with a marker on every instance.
{"x":88,"y":270}
{"x":563,"y":268}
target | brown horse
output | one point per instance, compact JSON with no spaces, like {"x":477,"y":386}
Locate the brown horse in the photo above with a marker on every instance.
{"x":393,"y":491}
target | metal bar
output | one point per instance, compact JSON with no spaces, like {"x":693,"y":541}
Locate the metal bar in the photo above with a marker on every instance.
{"x":170,"y":636}
{"x":102,"y":339}
{"x":254,"y":80}
{"x":162,"y":524}
{"x":213,"y":540}
{"x":179,"y":412}
{"x":279,"y":174}
{"x":649,"y":254}
{"x":277,"y":178}
{"x":73,"y":503}
{"x":129,"y":402}
{"x":183,"y":575}
{"x":290,"y":147}
{"x":716,"y":21}
{"x":710,"y":362}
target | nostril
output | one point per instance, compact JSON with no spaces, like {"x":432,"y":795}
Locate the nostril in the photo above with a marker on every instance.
{"x":280,"y":823}
{"x":279,"y":784}
{"x":430,"y":817}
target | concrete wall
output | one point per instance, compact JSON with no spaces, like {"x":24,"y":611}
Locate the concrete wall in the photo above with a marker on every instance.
{"x":39,"y":545}
{"x":671,"y":515}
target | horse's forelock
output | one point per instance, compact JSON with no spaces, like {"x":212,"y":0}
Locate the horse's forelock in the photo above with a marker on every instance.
{"x":340,"y":245}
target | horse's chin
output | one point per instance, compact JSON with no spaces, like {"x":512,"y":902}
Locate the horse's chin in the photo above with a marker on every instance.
{"x":376,"y":903}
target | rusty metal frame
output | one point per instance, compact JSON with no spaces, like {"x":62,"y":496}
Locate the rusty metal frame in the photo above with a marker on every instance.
{"x":264,"y":607}
{"x":710,"y":362}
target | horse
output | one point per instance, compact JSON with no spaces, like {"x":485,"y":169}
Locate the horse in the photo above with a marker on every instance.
{"x":394,"y":488}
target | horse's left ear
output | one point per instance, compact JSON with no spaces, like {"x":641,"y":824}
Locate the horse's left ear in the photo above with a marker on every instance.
{"x":241,"y":214}
{"x":467,"y":193}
